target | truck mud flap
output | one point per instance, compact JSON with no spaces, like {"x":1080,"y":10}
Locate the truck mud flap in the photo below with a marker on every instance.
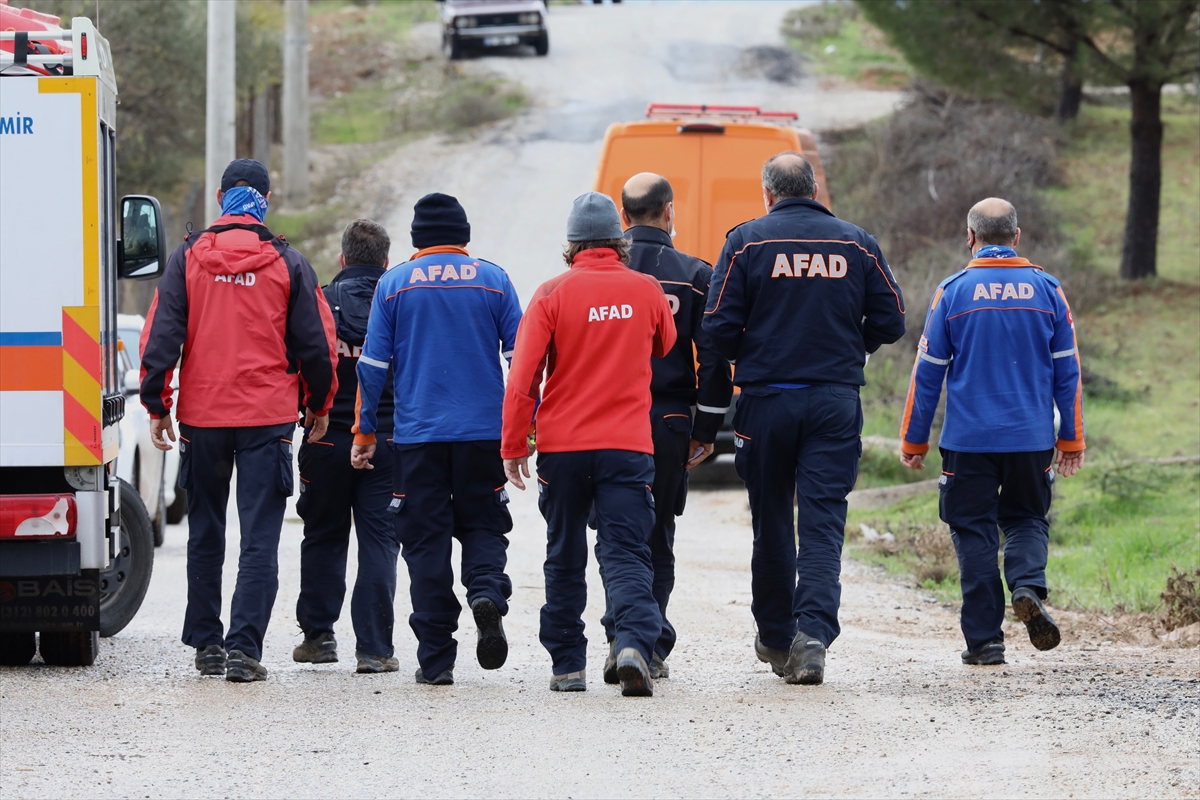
{"x":51,"y":602}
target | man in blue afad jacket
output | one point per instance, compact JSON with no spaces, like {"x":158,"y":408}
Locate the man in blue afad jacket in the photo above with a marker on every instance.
{"x":798,"y":300}
{"x":442,"y":321}
{"x":1001,"y":334}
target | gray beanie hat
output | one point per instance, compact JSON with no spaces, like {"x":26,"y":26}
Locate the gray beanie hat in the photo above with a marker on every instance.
{"x":593,"y":218}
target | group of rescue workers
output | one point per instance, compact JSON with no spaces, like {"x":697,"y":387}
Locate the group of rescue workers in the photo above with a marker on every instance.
{"x":620,"y":377}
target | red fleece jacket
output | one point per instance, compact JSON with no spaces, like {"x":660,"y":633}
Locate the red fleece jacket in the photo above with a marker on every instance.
{"x":592,"y":331}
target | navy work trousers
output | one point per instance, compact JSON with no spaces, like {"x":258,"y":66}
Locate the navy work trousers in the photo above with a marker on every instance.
{"x":263,"y":456}
{"x":671,"y":427}
{"x":331,"y":490}
{"x":980,"y":491}
{"x":618,"y":483}
{"x":445,"y":491}
{"x":798,"y":448}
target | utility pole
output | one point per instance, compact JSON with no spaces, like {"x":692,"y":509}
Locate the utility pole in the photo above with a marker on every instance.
{"x":220,"y":129}
{"x":295,"y":104}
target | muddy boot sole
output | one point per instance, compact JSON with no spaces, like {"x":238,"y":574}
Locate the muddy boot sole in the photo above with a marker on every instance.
{"x":806,"y":661}
{"x":243,"y":669}
{"x":492,"y":648}
{"x":634,"y":674}
{"x":1043,"y":632}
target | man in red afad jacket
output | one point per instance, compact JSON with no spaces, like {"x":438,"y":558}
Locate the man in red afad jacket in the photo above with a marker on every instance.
{"x":593,"y":331}
{"x":247,"y":315}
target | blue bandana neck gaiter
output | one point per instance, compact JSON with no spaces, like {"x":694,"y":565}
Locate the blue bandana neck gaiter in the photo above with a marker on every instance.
{"x":244,"y":200}
{"x":996,"y":251}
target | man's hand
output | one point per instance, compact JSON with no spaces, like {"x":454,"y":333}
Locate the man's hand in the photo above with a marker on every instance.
{"x":361,"y":455}
{"x":157,"y":428}
{"x":913,"y":460}
{"x":514,"y":468}
{"x":1068,"y":463}
{"x":699,"y":451}
{"x":319,"y":425}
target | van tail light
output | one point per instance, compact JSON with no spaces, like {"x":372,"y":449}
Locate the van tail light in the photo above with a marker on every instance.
{"x":37,"y":516}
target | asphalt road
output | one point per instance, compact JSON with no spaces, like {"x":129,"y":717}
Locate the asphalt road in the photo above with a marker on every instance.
{"x":898,"y":715}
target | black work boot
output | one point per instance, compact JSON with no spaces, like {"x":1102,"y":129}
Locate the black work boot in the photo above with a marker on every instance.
{"x":634,"y":674}
{"x":211,"y":660}
{"x":806,"y":661}
{"x":1028,"y":608}
{"x":492,"y":647}
{"x":570,"y":682}
{"x":241,"y":668}
{"x":658,"y":668}
{"x":320,"y":648}
{"x":444,"y":678}
{"x":372,"y":665}
{"x":986,"y":655}
{"x":769,"y":655}
{"x":610,"y":665}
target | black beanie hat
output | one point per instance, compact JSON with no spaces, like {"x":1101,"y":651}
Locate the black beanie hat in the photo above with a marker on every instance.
{"x":439,"y":219}
{"x":248,"y":170}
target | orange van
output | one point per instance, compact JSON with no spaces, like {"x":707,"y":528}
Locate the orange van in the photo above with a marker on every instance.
{"x":713,"y":156}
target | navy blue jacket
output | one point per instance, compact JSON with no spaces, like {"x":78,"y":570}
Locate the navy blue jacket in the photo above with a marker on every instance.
{"x":800,"y":297}
{"x":349,"y":295}
{"x":685,"y":281}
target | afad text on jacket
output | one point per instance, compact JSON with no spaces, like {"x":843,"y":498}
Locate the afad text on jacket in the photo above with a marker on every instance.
{"x":246,"y":312}
{"x":800,"y":297}
{"x":591,"y":331}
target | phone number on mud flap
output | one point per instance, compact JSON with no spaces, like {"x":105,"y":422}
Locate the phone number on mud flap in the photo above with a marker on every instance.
{"x":47,"y":612}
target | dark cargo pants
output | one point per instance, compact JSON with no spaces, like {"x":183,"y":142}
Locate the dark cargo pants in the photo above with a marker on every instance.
{"x":982,"y":494}
{"x":444,"y":491}
{"x":263,"y":456}
{"x":331,"y":490}
{"x":798,"y":448}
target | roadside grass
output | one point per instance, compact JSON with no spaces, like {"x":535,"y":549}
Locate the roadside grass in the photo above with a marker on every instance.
{"x":835,"y":39}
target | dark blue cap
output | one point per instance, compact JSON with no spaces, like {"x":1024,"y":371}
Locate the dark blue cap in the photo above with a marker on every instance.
{"x":248,"y":170}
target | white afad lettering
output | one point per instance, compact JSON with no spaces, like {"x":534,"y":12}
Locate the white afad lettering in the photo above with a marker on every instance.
{"x":468,"y":271}
{"x":241,"y":279}
{"x":981,"y":292}
{"x":626,"y":311}
{"x":837,"y":266}
{"x":592,"y":315}
{"x":601,"y":313}
{"x":673,"y":302}
{"x":1025,"y":290}
{"x":782,"y":267}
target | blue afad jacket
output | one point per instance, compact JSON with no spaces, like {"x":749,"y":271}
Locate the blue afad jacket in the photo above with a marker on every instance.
{"x":1003,"y":332}
{"x":442,"y":321}
{"x":801,"y":297}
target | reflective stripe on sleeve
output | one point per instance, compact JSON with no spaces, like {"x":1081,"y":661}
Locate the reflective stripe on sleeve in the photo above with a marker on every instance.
{"x":711,"y":409}
{"x":939,"y":361}
{"x":1065,"y":353}
{"x":373,"y":362}
{"x":507,"y":354}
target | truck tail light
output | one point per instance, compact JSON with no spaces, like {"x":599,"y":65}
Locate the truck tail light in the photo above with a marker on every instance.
{"x":37,"y":516}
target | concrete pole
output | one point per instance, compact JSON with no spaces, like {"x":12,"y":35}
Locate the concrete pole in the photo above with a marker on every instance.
{"x":262,"y":127}
{"x":220,"y":132}
{"x":295,"y":104}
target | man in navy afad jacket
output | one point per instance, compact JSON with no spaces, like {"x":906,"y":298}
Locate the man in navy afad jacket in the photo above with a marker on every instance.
{"x":1000,"y":333}
{"x":331,"y":489}
{"x":442,"y":321}
{"x":798,"y":300}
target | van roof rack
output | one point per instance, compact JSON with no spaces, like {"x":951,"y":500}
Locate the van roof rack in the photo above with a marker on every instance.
{"x":734,"y":113}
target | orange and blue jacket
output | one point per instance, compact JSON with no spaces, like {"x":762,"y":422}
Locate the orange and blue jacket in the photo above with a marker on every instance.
{"x":1000,"y":333}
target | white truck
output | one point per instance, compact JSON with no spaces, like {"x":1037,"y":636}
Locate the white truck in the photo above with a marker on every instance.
{"x":76,"y":547}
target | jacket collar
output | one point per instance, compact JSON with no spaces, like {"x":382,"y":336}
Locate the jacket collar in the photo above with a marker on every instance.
{"x":795,"y":202}
{"x":602,"y":257}
{"x":1002,"y":262}
{"x":648,"y":233}
{"x":439,"y":249}
{"x":351,"y":271}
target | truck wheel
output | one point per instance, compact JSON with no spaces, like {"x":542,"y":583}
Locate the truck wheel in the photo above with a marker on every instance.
{"x":542,"y":45}
{"x":178,"y":510}
{"x":17,"y":649}
{"x":123,"y":585}
{"x":159,"y":525}
{"x":70,"y":648}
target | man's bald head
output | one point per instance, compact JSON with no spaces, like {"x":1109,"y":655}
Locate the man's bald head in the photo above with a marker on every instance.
{"x":788,"y":174}
{"x":993,"y":221}
{"x":644,"y":199}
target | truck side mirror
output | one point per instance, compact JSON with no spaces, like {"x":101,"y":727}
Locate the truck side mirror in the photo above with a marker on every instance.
{"x":142,"y":251}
